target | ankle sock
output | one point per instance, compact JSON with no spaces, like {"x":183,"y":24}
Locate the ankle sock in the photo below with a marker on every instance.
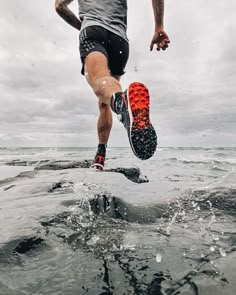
{"x":101,"y":151}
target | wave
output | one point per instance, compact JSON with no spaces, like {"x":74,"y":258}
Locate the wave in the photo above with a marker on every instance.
{"x":216,"y":168}
{"x":227,"y":181}
{"x":200,"y":148}
{"x":206,"y":161}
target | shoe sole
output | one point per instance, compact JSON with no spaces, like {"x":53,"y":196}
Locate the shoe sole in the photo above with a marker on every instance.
{"x":97,"y":166}
{"x":142,"y":135}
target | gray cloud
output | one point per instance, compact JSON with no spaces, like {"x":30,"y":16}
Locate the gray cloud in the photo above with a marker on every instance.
{"x":45,"y":100}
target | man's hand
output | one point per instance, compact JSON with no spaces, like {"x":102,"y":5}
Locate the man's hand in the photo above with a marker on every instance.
{"x":62,"y":9}
{"x":161,"y":40}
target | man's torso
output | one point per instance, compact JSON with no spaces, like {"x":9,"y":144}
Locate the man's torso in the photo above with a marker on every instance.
{"x":112,"y":15}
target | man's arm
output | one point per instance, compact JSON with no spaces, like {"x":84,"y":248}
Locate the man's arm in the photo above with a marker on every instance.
{"x":62,"y":9}
{"x":160,"y":37}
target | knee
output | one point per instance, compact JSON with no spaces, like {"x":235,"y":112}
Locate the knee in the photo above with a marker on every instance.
{"x":99,"y":86}
{"x":102,"y":87}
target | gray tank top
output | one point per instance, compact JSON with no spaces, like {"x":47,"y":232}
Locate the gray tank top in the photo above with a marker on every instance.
{"x":109,"y":14}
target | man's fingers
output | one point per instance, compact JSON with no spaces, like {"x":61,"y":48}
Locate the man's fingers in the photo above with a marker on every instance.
{"x":164,"y":47}
{"x":160,"y":41}
{"x":160,"y":44}
{"x":163,"y":44}
{"x":151,"y":46}
{"x":165,"y":39}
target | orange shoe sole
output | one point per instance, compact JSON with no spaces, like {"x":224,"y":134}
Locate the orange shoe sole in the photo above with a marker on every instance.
{"x":143,"y":138}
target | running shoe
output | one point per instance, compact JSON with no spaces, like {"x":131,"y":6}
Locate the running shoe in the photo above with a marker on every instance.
{"x":141,"y":134}
{"x":99,"y":159}
{"x":98,"y":162}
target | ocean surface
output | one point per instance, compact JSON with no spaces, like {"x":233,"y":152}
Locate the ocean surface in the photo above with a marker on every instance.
{"x":162,"y":226}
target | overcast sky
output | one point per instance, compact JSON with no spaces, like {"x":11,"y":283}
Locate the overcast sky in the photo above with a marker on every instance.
{"x":45,"y":101}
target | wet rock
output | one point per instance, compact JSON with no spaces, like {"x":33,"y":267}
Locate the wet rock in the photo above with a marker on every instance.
{"x":116,"y":208}
{"x":24,"y":245}
{"x":17,"y":163}
{"x":68,"y":203}
{"x":28,"y":174}
{"x":60,"y":165}
{"x":26,"y":163}
{"x":62,"y":186}
{"x":27,"y":244}
{"x":222,"y":199}
{"x":132,"y":174}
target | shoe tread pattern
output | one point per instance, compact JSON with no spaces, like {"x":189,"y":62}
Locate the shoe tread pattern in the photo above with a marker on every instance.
{"x":142,"y":135}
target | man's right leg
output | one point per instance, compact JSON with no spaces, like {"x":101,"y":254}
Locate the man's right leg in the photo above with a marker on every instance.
{"x":97,"y":47}
{"x":104,"y":86}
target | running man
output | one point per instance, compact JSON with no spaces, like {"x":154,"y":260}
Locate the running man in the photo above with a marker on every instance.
{"x":104,"y":51}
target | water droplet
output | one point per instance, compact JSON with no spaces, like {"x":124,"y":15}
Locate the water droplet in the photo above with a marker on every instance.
{"x":158,"y":258}
{"x":212,"y":248}
{"x":194,"y":204}
{"x":209,"y":203}
{"x":222,"y":252}
{"x":93,"y":240}
{"x":215,"y":238}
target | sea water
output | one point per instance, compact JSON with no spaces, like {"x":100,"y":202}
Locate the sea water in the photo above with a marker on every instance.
{"x":161,"y":226}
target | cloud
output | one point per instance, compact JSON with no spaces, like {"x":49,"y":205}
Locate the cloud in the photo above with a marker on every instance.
{"x":46,"y":101}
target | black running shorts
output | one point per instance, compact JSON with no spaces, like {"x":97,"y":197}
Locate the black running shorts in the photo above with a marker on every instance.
{"x":115,"y":48}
